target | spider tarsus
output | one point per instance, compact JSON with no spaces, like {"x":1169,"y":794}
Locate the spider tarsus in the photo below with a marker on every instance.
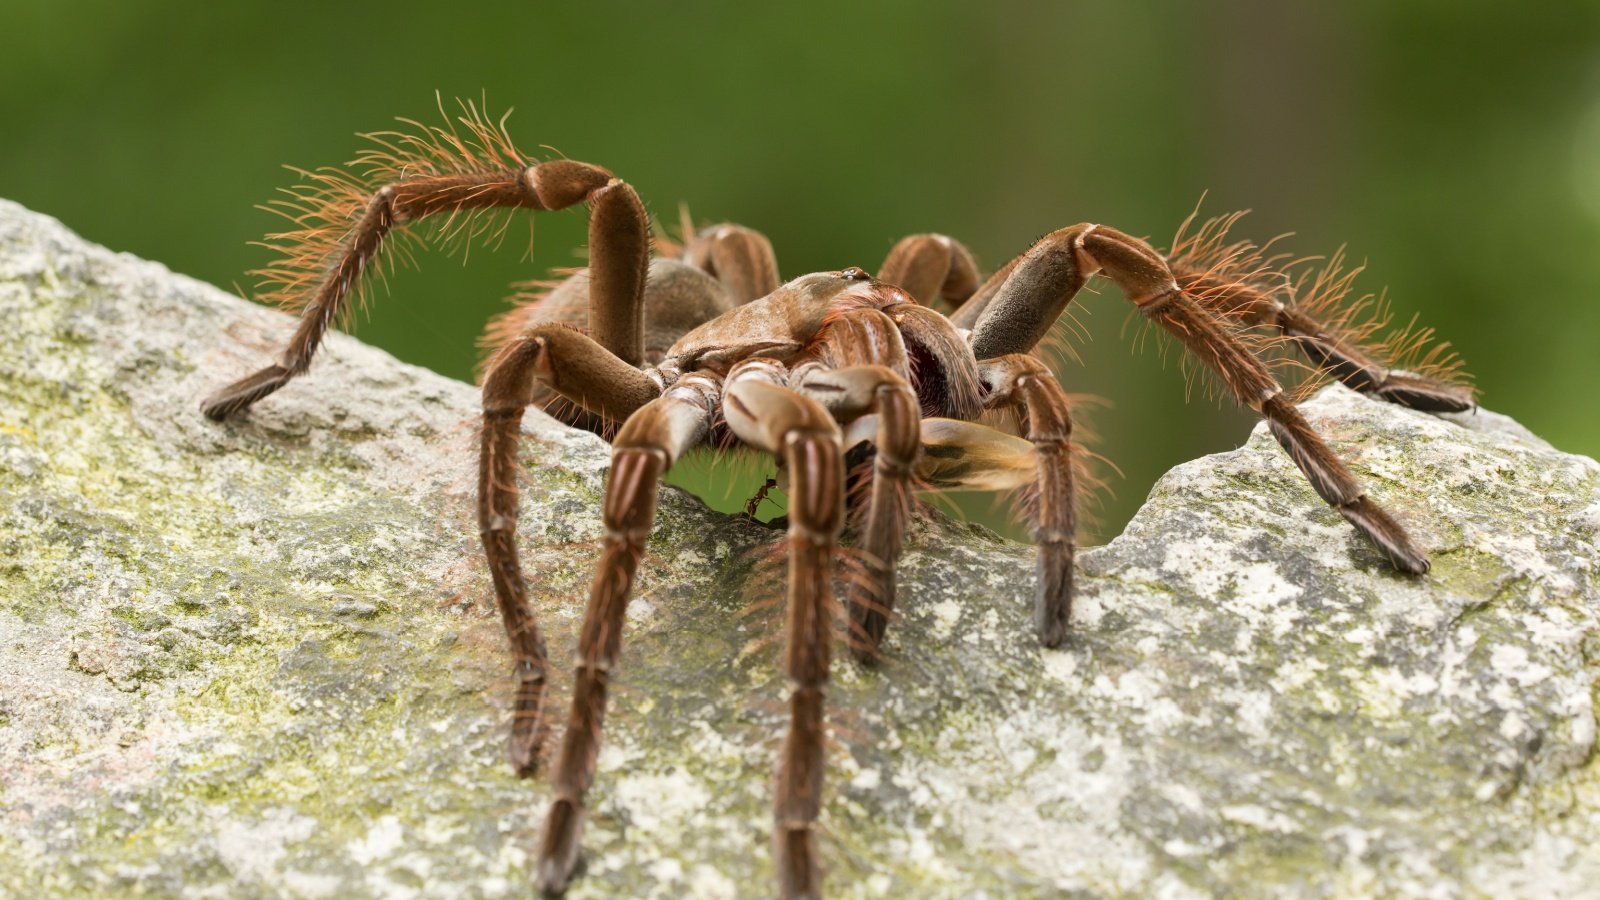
{"x":799,"y":879}
{"x":558,"y":848}
{"x":1368,"y":377}
{"x":523,"y":751}
{"x":1424,"y":394}
{"x":865,"y":655}
{"x":869,"y":621}
{"x":1386,"y":535}
{"x":239,"y":395}
{"x":872,"y":622}
{"x":523,"y":763}
{"x":1052,"y":610}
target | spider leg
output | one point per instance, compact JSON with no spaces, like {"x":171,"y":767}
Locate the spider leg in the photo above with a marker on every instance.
{"x":931,"y":265}
{"x":574,"y":363}
{"x":677,"y":297}
{"x":739,"y":257}
{"x":767,"y":415}
{"x":1339,"y":354}
{"x":1026,"y":384}
{"x":881,"y":350}
{"x":619,"y":252}
{"x":1045,"y":279}
{"x":861,"y":368}
{"x":848,"y":393}
{"x":656,"y":435}
{"x":1347,"y":362}
{"x":966,"y":317}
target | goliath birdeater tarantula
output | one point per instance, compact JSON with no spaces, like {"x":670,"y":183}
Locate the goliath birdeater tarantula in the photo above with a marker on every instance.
{"x":703,"y":344}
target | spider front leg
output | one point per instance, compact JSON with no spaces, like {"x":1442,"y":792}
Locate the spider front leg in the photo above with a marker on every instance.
{"x":575,"y":365}
{"x":1337,"y":350}
{"x":646,"y":447}
{"x":885,"y":508}
{"x":1045,"y":279}
{"x":656,"y":432}
{"x":618,"y":240}
{"x":1029,"y":387}
{"x":878,"y":349}
{"x":857,"y":366}
{"x":874,"y":352}
{"x":767,"y":415}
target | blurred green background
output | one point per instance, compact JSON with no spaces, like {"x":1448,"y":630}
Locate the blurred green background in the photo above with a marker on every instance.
{"x":1454,"y":145}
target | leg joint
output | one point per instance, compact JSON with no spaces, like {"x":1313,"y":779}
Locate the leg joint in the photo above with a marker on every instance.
{"x":1154,"y":304}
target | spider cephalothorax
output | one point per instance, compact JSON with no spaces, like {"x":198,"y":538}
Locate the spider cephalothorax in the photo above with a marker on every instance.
{"x":703,"y":344}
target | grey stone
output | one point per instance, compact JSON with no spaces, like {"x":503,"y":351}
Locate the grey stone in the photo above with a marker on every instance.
{"x":261,"y":658}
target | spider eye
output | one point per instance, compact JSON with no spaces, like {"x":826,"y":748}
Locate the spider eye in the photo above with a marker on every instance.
{"x":855,"y":273}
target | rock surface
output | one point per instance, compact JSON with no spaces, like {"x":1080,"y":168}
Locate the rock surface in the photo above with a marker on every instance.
{"x":260,"y":659}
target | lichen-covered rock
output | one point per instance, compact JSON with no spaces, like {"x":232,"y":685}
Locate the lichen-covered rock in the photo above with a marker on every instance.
{"x":261,"y":658}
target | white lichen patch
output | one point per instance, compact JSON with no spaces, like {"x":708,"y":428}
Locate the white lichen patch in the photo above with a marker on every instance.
{"x":1260,"y":818}
{"x":262,"y":658}
{"x":383,"y":839}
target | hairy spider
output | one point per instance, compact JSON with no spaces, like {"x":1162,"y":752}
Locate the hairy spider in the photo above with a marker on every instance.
{"x":703,"y":344}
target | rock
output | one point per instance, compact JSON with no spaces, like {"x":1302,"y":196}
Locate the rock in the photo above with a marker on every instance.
{"x":261,"y":658}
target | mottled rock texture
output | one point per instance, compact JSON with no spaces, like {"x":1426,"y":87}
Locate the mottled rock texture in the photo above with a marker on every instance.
{"x":260,"y":659}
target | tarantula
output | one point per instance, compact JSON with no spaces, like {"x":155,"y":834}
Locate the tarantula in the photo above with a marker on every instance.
{"x":705,"y":345}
